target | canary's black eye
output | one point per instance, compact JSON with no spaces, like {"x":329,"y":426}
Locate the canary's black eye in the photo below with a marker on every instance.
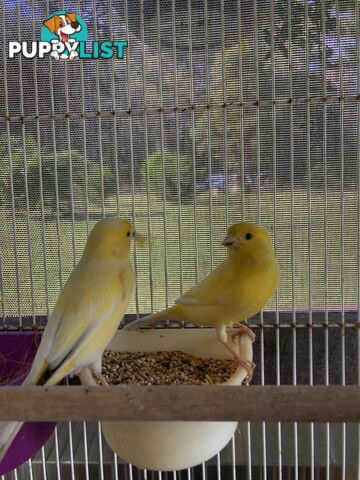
{"x":248,"y":236}
{"x":128,"y":234}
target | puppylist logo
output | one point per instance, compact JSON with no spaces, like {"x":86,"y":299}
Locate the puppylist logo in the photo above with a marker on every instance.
{"x":63,"y":36}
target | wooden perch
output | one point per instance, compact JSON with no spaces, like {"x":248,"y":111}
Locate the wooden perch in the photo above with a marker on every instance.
{"x":213,"y":402}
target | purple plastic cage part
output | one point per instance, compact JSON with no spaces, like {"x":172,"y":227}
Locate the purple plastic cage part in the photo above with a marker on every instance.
{"x":17,"y":350}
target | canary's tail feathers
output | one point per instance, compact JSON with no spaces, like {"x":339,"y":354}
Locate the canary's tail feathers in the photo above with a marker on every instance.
{"x":59,"y":374}
{"x":8,"y":431}
{"x":38,"y":373}
{"x":148,"y":320}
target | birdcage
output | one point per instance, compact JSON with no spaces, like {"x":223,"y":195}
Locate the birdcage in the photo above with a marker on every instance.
{"x":213,"y":112}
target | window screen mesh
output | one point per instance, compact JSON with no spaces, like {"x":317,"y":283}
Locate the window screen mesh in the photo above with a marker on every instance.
{"x":220,"y":111}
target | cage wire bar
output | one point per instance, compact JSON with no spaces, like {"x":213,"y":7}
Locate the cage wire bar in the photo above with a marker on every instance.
{"x":357,"y":18}
{"x":239,"y":94}
{"x":324,"y":119}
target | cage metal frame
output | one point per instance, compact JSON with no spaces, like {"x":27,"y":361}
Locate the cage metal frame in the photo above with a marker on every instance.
{"x":241,"y":104}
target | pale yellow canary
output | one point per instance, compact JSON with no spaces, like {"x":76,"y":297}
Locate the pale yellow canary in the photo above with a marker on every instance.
{"x":87,"y":313}
{"x":234,"y":291}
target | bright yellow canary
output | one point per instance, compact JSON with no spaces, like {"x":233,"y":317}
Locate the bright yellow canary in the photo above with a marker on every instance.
{"x":237,"y":289}
{"x":87,"y":313}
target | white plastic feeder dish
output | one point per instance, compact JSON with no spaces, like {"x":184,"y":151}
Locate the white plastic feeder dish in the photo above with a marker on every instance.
{"x":173,"y":445}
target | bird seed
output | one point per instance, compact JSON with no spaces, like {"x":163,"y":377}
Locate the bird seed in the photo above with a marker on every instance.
{"x":163,"y":368}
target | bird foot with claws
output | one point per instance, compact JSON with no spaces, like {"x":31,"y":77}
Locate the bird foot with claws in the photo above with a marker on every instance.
{"x":240,"y":362}
{"x":101,"y":379}
{"x":243,"y":330}
{"x":246,"y":364}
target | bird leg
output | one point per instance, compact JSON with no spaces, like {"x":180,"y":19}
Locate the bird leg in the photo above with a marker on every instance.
{"x":240,"y":362}
{"x":243,"y":330}
{"x":87,"y":374}
{"x":221,"y":333}
{"x":101,"y":379}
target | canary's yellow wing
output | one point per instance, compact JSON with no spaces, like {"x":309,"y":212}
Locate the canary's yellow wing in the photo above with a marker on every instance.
{"x":245,"y":289}
{"x":92,"y":306}
{"x":218,"y":298}
{"x":86,"y":316}
{"x":210,"y":290}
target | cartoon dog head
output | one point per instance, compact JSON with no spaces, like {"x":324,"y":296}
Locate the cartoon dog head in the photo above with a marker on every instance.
{"x":63,"y":25}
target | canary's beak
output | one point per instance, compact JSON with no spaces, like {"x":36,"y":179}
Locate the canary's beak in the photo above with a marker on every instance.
{"x":230,"y":241}
{"x":139,"y":239}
